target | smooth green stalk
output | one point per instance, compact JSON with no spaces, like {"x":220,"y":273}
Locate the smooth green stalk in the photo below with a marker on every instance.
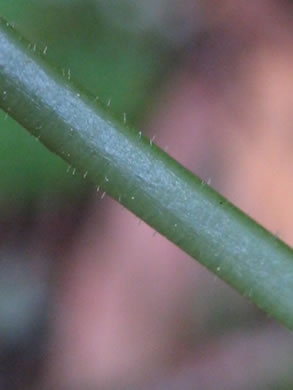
{"x":155,"y":187}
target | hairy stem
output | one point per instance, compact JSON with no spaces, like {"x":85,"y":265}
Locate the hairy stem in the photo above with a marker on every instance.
{"x":143,"y":178}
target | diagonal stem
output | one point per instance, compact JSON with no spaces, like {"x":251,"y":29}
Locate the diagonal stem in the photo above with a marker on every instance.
{"x":143,"y":178}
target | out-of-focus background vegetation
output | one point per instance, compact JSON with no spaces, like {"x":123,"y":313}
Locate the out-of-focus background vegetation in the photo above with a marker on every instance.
{"x":89,"y":297}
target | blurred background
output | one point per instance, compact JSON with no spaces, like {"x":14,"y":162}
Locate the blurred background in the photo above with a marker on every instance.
{"x":90,"y":297}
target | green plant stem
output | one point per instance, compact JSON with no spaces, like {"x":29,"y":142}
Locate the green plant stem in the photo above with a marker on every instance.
{"x":134,"y":171}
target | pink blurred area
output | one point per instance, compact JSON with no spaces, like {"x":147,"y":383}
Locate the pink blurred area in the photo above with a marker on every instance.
{"x":132,"y":309}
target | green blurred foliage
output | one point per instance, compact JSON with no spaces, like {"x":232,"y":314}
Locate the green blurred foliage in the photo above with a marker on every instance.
{"x":114,"y":64}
